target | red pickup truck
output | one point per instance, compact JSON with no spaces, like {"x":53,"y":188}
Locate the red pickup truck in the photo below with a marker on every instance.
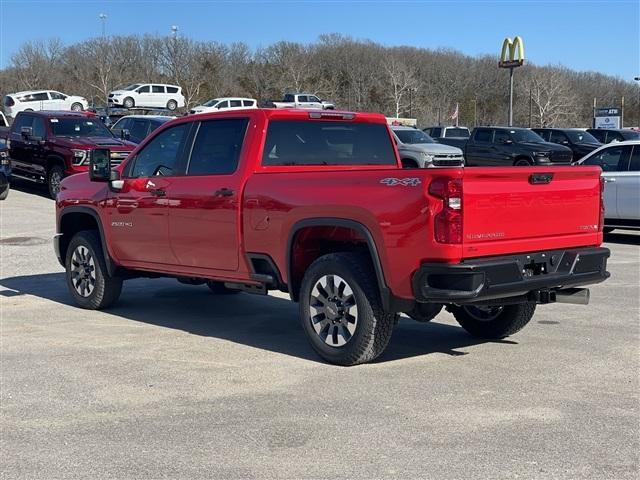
{"x":316,"y":204}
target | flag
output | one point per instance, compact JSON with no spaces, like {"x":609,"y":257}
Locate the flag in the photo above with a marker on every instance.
{"x":454,"y":115}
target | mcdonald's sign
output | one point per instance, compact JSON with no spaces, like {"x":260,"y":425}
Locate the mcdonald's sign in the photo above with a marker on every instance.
{"x":512,"y":54}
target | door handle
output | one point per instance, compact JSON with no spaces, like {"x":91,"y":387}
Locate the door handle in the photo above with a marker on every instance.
{"x":609,"y":180}
{"x":223,"y":192}
{"x":158,"y":192}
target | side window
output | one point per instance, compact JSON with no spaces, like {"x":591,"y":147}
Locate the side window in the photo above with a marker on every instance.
{"x":288,"y":98}
{"x":57,"y":96}
{"x":36,"y":97}
{"x":161,"y":155}
{"x":143,"y":89}
{"x":121,"y":125}
{"x":21,"y":121}
{"x":138,"y":129}
{"x":224,"y":104}
{"x":248,"y":103}
{"x":599,"y":134}
{"x":235,"y":103}
{"x":38,"y":127}
{"x":437,"y":132}
{"x":614,"y":137}
{"x":172,"y":89}
{"x":634,"y":166}
{"x":558,"y":137}
{"x":543,"y":133}
{"x":313,"y":98}
{"x":217,"y":146}
{"x":501,"y":136}
{"x":612,"y":159}
{"x":483,"y":135}
{"x":303,"y":98}
{"x":157,"y":89}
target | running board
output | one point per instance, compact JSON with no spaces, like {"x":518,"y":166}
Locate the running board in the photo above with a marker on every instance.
{"x":248,"y":287}
{"x":39,"y":179}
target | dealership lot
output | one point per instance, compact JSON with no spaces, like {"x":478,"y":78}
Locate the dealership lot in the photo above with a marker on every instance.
{"x":174,"y":382}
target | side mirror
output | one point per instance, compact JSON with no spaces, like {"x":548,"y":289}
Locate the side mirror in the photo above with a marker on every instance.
{"x":26,"y":132}
{"x":100,"y":165}
{"x":124,"y":134}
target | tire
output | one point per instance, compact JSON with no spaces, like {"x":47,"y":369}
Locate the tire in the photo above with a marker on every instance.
{"x":356,"y":334}
{"x":494,"y":322}
{"x":523,"y":162}
{"x":5,"y":194}
{"x":88,"y":280}
{"x":409,"y":164}
{"x":219,"y":289}
{"x":76,"y":107}
{"x":128,"y":103}
{"x":172,"y":105}
{"x":608,"y":229}
{"x":425,"y":312}
{"x":54,"y":177}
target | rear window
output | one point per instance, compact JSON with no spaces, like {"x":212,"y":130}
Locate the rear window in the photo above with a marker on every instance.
{"x":157,"y":89}
{"x":303,"y":142}
{"x":248,"y":103}
{"x":456,"y":132}
{"x":482,"y":135}
{"x":172,"y":89}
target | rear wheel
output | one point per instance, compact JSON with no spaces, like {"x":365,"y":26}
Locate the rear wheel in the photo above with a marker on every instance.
{"x":76,"y":107}
{"x":54,"y":177}
{"x":341,"y":311}
{"x":172,"y":105}
{"x":493,"y":321}
{"x":86,"y":272}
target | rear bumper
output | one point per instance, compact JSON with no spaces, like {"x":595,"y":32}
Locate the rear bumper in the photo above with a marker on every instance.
{"x":510,"y":276}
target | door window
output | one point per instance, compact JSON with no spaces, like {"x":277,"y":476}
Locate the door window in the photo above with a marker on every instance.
{"x":224,"y":104}
{"x":558,"y":137}
{"x":543,"y":133}
{"x":144,"y":89}
{"x":501,"y":136}
{"x":634,"y":166}
{"x":172,"y":89}
{"x":302,"y":98}
{"x":122,"y":124}
{"x":38,"y":127}
{"x":483,"y":135}
{"x":601,"y":135}
{"x":161,"y":156}
{"x":138,"y":129}
{"x":612,"y":159}
{"x":248,"y":103}
{"x":314,"y":99}
{"x":235,"y":103}
{"x":21,"y":121}
{"x":217,"y":146}
{"x":157,"y":89}
{"x":36,"y":97}
{"x":57,"y":96}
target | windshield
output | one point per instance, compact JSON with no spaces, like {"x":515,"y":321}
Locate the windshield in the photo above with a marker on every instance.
{"x":79,"y":127}
{"x":525,"y":136}
{"x":413,"y":136}
{"x":578,"y":136}
{"x":133,"y":86}
{"x":211,"y":103}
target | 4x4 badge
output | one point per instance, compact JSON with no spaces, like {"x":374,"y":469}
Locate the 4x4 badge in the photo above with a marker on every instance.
{"x":405,"y":182}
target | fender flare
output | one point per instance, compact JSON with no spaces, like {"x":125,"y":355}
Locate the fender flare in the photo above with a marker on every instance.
{"x":111,"y":265}
{"x":388,"y":300}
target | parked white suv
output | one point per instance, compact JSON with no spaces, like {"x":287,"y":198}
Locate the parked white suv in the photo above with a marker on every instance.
{"x":225,"y":103}
{"x":34,"y":100}
{"x":148,"y":95}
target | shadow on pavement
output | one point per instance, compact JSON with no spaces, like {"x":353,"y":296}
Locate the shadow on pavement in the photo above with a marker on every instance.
{"x":622,"y":238}
{"x":31,"y":188}
{"x":264,"y":322}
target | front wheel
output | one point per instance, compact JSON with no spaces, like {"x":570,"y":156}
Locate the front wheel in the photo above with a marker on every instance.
{"x":128,"y":102}
{"x":493,"y":322}
{"x":88,"y":280}
{"x":341,"y":311}
{"x":76,"y":107}
{"x":55,"y":176}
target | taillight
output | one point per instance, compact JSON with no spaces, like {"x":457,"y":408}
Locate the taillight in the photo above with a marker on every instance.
{"x":447,"y":223}
{"x":601,"y":218}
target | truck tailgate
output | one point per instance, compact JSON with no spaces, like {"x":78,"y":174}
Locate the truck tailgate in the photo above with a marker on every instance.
{"x":524,"y":209}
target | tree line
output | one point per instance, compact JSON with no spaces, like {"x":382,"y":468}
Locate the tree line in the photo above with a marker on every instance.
{"x":356,"y":74}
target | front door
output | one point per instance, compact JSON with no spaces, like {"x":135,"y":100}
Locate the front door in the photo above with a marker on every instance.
{"x":204,"y":205}
{"x":628,"y":197}
{"x":138,"y":220}
{"x":613,"y":160}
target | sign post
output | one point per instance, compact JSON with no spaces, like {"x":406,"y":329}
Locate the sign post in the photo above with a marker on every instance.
{"x":512,"y":56}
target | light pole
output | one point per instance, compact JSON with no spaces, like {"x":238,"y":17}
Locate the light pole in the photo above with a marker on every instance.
{"x":103,"y":19}
{"x":637,"y":79}
{"x":174,"y":32}
{"x":511,"y":56}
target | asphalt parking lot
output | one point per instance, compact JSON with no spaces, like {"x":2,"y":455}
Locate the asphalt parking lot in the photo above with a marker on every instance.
{"x":174,"y":382}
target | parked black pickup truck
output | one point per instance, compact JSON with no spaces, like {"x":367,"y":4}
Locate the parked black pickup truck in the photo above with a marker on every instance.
{"x":580,"y":142}
{"x":502,"y":146}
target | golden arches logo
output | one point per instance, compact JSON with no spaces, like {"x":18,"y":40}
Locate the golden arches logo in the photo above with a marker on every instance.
{"x":512,"y":54}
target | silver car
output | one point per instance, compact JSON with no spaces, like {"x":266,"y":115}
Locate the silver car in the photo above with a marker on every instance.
{"x":620,"y":163}
{"x":419,"y":150}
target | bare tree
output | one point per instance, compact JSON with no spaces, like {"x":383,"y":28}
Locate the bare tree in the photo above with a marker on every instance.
{"x":401,"y":79}
{"x":552,"y":97}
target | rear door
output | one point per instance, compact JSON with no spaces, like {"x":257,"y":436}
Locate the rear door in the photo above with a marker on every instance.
{"x":628,"y":188}
{"x":204,"y":205}
{"x":529,"y":208}
{"x":479,"y":148}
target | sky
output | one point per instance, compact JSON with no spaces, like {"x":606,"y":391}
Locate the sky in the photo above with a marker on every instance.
{"x":602,"y":36}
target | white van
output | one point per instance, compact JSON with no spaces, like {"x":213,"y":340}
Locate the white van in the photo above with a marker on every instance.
{"x":35,"y":100}
{"x":148,"y":95}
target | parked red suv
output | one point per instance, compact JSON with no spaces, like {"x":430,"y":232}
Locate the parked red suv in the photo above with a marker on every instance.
{"x":47,"y":146}
{"x":316,"y":204}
